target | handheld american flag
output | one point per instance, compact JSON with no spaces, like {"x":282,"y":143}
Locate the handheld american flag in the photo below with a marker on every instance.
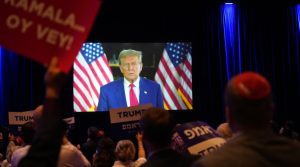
{"x":174,"y":74}
{"x":91,"y":71}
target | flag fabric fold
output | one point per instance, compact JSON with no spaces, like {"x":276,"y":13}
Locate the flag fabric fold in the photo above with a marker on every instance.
{"x":174,"y":74}
{"x":91,"y":71}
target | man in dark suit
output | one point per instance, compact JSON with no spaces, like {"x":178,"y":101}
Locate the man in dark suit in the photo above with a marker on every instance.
{"x":131,"y":90}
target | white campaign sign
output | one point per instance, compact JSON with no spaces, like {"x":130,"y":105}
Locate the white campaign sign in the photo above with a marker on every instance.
{"x":19,"y":118}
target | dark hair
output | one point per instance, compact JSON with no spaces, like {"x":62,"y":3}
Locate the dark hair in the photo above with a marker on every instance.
{"x":64,"y":126}
{"x":92,"y":132}
{"x":104,"y":156}
{"x":28,"y":132}
{"x":157,"y":126}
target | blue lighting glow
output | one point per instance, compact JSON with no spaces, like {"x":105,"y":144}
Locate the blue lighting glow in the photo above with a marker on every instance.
{"x":231,"y":39}
{"x":298,"y":15}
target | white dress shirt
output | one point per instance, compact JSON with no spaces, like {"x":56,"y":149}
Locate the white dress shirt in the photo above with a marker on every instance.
{"x":136,"y":90}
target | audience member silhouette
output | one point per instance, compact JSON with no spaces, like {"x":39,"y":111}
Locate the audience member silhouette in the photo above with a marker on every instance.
{"x":15,"y":142}
{"x":1,"y":159}
{"x":157,"y":128}
{"x":69,"y":154}
{"x":45,"y":148}
{"x":125,"y":153}
{"x":289,"y":130}
{"x":89,"y":147}
{"x":27,"y":134}
{"x":105,"y":153}
{"x":248,"y":111}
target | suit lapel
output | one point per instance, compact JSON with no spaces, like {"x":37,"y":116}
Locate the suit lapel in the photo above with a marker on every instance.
{"x":120,"y":94}
{"x":143,"y":91}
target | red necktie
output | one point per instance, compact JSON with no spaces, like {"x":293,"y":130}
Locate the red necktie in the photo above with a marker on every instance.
{"x":132,"y":96}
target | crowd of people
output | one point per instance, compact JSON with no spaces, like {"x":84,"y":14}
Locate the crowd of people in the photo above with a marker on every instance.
{"x":247,"y":135}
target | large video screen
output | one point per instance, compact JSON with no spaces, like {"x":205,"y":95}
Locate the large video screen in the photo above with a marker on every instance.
{"x":164,"y":72}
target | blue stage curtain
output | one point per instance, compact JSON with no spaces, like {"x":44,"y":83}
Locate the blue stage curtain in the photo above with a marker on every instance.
{"x":247,"y":36}
{"x":231,"y":32}
{"x":21,"y":84}
{"x":294,"y":42}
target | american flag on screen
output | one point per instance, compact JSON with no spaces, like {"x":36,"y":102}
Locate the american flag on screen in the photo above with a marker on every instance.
{"x":91,"y":71}
{"x":174,"y":74}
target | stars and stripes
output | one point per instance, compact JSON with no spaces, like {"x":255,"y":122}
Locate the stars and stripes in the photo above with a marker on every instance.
{"x":174,"y":74}
{"x":91,"y":71}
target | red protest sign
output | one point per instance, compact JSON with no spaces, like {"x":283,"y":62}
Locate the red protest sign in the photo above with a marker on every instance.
{"x":41,"y":29}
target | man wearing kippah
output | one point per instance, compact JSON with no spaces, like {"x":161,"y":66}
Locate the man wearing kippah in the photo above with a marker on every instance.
{"x":249,"y":107}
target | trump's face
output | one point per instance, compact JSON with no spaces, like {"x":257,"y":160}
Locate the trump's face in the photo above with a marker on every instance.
{"x":131,"y":67}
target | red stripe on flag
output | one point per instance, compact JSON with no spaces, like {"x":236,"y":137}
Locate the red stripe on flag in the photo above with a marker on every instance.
{"x":188,"y":65}
{"x":83,"y":97}
{"x":186,"y":79}
{"x":166,"y":102}
{"x":83,"y":69}
{"x":85,"y":84}
{"x":77,"y":102}
{"x":168,"y":89}
{"x":107,"y":63}
{"x":95,"y":74}
{"x":185,"y":94}
{"x":176,"y":66}
{"x":102,"y":71}
{"x":169,"y":72}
